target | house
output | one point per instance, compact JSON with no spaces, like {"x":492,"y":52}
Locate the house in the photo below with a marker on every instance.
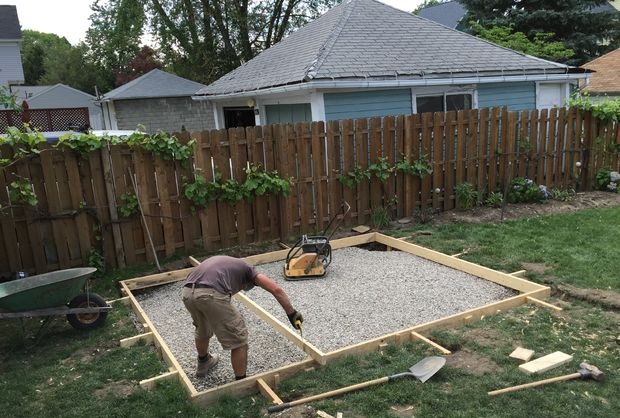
{"x":11,"y":70}
{"x":605,"y":80}
{"x":363,"y":58}
{"x":60,"y":96}
{"x":159,"y":101}
{"x":452,"y":13}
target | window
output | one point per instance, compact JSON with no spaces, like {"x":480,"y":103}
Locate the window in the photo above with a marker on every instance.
{"x":443,"y":102}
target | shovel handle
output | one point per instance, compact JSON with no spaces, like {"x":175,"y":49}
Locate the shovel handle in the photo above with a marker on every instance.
{"x":324,"y":395}
{"x":534,"y":384}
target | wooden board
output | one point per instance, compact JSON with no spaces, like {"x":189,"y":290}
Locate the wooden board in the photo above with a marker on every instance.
{"x":548,"y":362}
{"x":521,"y":353}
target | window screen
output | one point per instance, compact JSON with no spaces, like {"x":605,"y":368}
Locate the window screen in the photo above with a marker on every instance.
{"x":458,"y":102}
{"x":429,"y":104}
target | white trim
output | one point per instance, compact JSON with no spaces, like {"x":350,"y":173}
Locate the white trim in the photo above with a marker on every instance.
{"x":368,"y":84}
{"x":216,"y":116}
{"x":109,"y":116}
{"x":317,"y":105}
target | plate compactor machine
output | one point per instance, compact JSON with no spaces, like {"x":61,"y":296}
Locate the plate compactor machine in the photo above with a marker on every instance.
{"x":311,"y":255}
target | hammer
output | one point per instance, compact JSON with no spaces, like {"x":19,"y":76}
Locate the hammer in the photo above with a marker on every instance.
{"x":586,"y":371}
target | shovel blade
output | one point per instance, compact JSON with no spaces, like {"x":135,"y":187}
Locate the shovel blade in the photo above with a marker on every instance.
{"x":426,"y":368}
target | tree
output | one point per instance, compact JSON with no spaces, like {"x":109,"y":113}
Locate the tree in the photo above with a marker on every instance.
{"x":541,"y":46}
{"x":49,"y":59}
{"x":115,"y":35}
{"x":200,"y":39}
{"x":35,"y":47}
{"x":573,"y":22}
{"x":71,"y":66}
{"x":145,"y":60}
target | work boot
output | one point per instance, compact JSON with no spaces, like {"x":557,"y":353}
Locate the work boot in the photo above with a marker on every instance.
{"x":203,"y":367}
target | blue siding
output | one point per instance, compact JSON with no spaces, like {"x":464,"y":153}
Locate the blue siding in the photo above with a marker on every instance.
{"x":517,"y":96}
{"x":364,"y":104}
{"x":289,"y":113}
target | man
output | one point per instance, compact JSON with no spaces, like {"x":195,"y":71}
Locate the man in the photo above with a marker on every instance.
{"x":206,"y":295}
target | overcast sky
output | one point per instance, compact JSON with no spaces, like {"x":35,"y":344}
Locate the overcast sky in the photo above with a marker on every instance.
{"x":69,"y":18}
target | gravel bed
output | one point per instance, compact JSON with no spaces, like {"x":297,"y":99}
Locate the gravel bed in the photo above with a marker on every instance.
{"x":268,"y":349}
{"x":365,"y":294}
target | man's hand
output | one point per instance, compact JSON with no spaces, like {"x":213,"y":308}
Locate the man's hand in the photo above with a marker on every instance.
{"x":296,"y":319}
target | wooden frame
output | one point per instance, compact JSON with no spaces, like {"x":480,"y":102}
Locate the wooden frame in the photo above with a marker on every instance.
{"x":529,"y":292}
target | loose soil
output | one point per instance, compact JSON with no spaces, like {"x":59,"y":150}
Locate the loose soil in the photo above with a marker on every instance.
{"x":482,"y":214}
{"x":471,"y":363}
{"x":120,"y":389}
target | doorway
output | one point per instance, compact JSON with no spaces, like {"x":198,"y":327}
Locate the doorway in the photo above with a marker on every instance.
{"x":239,"y":117}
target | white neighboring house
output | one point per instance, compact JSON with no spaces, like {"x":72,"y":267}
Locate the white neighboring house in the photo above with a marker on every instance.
{"x":11,"y":70}
{"x":59,"y":96}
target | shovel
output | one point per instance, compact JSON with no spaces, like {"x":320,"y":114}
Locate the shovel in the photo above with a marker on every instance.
{"x":422,"y":370}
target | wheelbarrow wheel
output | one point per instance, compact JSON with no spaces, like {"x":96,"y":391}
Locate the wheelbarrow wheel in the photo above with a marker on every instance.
{"x":87,"y":320}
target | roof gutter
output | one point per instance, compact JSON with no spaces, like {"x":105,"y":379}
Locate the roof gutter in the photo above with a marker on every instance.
{"x":363,"y":84}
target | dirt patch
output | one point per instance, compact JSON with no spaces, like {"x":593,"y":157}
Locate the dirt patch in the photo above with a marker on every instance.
{"x":605,"y":298}
{"x":472,"y":363}
{"x":481,"y":336}
{"x":586,"y":200}
{"x":404,"y":411}
{"x":120,"y":389}
{"x":83,"y":356}
{"x":538,"y":268}
{"x":301,"y":411}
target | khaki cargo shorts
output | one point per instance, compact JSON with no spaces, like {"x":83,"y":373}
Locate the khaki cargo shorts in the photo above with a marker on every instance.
{"x":213,"y":313}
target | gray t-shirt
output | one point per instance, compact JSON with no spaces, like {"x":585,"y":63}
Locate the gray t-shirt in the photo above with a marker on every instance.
{"x":227,"y":275}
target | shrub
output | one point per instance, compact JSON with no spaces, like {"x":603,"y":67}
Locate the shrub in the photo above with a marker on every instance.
{"x":424,"y":215}
{"x":524,"y":190}
{"x":563,"y":195}
{"x":466,"y":195}
{"x":494,"y":200}
{"x":607,"y":180}
{"x":602,"y":178}
{"x":380,"y":217}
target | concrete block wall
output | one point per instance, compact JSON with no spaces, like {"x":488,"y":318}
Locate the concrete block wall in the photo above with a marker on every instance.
{"x":165,"y":114}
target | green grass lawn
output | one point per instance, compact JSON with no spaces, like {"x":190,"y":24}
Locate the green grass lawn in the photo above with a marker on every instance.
{"x":66,"y":373}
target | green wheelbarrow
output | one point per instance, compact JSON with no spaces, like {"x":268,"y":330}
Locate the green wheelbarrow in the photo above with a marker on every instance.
{"x":56,"y":293}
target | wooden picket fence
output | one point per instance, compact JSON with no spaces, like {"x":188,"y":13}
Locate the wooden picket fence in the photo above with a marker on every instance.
{"x":78,"y":198}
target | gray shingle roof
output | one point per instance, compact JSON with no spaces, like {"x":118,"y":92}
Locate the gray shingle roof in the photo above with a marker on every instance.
{"x":448,"y":14}
{"x":366,"y":39}
{"x":9,"y":23}
{"x":155,"y":83}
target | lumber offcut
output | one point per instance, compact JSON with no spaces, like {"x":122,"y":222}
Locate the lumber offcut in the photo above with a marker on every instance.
{"x":548,"y":362}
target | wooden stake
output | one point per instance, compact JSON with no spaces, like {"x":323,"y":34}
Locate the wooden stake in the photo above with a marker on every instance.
{"x":147,"y":337}
{"x":267,"y":392}
{"x":149,"y":384}
{"x":420,"y":337}
{"x":543,"y":303}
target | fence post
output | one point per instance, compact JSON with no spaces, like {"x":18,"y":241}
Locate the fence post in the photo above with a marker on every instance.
{"x":111,"y":196}
{"x":587,"y":156}
{"x":25,"y":115}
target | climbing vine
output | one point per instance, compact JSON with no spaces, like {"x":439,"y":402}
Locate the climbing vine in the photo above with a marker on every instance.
{"x":160,"y":143}
{"x":382,"y":170}
{"x":258,"y":182}
{"x":24,"y":144}
{"x":21,"y":193}
{"x":605,"y":110}
{"x":129,"y":205}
